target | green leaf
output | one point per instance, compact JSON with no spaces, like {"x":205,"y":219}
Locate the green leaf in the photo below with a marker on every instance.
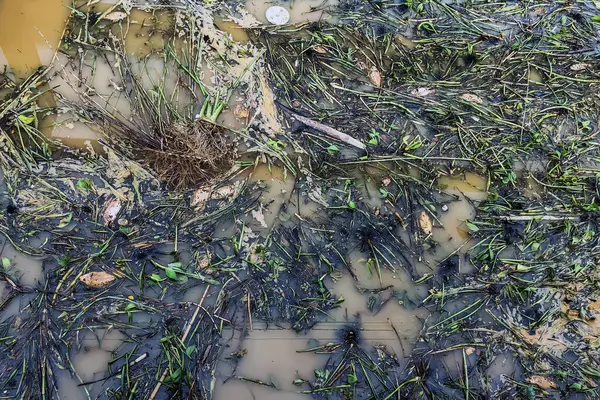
{"x":352,"y":204}
{"x":352,"y":379}
{"x":535,"y":246}
{"x":190,"y":350}
{"x":130,"y":307}
{"x":26,"y":120}
{"x":472,"y":227}
{"x":170,"y":272}
{"x":596,"y":18}
{"x":5,"y":262}
{"x":333,"y":150}
{"x":64,"y":261}
{"x":175,"y":375}
{"x":175,"y":265}
{"x":84,"y":184}
{"x":156,"y":278}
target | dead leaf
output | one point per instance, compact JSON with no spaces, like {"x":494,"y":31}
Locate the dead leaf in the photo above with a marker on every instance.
{"x":97,"y":278}
{"x":542,"y":382}
{"x":224,"y":191}
{"x":260,"y":217}
{"x":470,"y":350}
{"x":240,"y":111}
{"x":320,"y":49}
{"x":115,"y":16}
{"x":17,"y":323}
{"x":200,"y":198}
{"x":471,"y":98}
{"x":579,"y":67}
{"x":111,"y":211}
{"x":203,"y":263}
{"x":361,"y":65}
{"x":375,"y":77}
{"x":422,"y":92}
{"x":425,"y":223}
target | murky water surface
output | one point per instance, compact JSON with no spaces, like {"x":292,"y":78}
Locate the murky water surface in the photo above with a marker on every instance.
{"x":29,"y":33}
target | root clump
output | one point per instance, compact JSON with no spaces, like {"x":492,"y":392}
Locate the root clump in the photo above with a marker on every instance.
{"x":190,"y":154}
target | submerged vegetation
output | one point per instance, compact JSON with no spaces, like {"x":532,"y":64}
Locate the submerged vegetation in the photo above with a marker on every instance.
{"x":430,"y":89}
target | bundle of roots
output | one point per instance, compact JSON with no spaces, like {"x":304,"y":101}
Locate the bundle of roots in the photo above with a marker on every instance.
{"x":189,"y":154}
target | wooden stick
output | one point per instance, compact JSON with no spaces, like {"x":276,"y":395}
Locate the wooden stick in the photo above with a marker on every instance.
{"x":342,"y":137}
{"x":187,"y":331}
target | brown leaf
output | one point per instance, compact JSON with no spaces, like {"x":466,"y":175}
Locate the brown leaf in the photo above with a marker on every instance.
{"x":471,"y":98}
{"x":375,"y":77}
{"x":320,"y":49}
{"x":425,"y":223}
{"x":361,"y":65}
{"x":542,"y":382}
{"x":97,"y":278}
{"x":203,"y":263}
{"x":241,"y":111}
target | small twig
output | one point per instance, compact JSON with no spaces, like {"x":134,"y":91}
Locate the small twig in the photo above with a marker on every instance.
{"x":538,"y":217}
{"x":249,"y":313}
{"x":398,"y":336}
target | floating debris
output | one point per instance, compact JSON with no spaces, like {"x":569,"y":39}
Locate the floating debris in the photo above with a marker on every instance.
{"x":97,"y":278}
{"x":277,"y":15}
{"x":425,"y":222}
{"x":111,"y":211}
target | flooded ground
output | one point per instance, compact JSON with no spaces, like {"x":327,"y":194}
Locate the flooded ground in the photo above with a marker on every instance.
{"x":372,"y":201}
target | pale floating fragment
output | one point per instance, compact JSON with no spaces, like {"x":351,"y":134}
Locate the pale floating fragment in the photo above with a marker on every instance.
{"x":111,"y":211}
{"x":375,"y":77}
{"x":472,"y":98}
{"x":425,"y":223}
{"x":422,"y":92}
{"x":116,"y":16}
{"x":579,"y":67}
{"x":278,"y":15}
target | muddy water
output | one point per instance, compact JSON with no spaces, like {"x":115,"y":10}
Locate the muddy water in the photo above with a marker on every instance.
{"x":29,"y":33}
{"x":272,"y":354}
{"x":452,"y":234}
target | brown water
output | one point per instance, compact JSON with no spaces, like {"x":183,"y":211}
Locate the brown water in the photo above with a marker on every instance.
{"x":29,"y":33}
{"x":272,"y":353}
